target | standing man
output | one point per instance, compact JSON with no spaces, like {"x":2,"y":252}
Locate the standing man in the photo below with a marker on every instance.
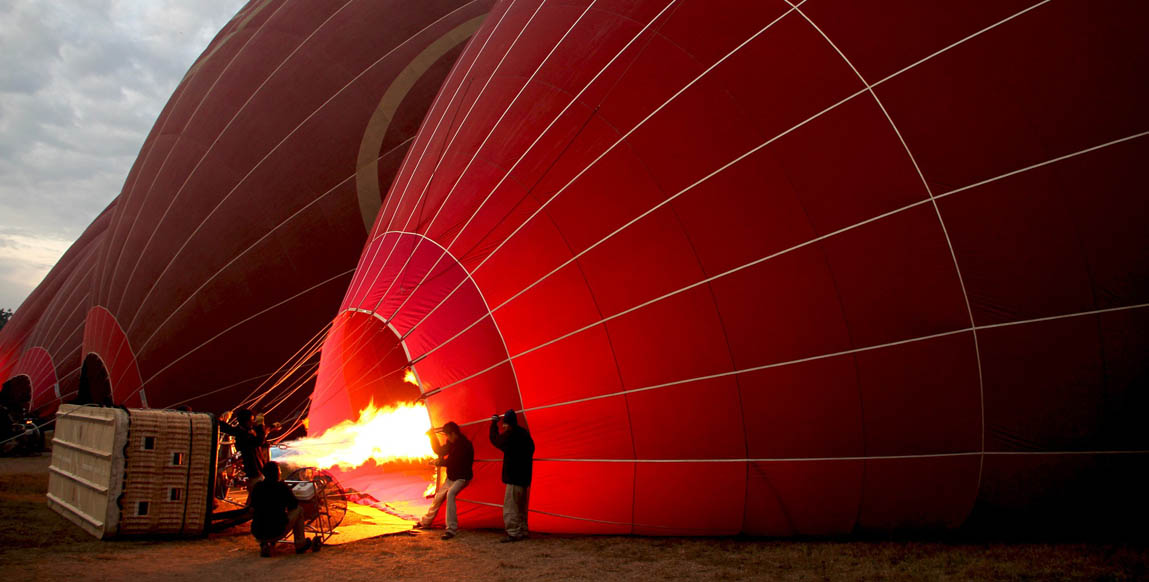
{"x":457,"y":455}
{"x":249,"y":440}
{"x":518,"y":451}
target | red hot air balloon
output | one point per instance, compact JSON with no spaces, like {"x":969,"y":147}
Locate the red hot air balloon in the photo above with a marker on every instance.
{"x":776,"y":267}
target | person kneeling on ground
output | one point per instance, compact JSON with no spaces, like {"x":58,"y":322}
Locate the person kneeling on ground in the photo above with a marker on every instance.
{"x":275,"y":512}
{"x":458,"y":454}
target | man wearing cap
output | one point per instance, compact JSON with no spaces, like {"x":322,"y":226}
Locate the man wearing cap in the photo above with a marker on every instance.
{"x":457,"y":454}
{"x":518,"y":451}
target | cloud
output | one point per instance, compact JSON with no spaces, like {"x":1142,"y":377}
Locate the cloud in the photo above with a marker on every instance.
{"x":80,"y":87}
{"x":24,"y":260}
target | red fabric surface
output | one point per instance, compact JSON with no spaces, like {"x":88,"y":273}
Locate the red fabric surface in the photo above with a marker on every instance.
{"x":704,"y":253}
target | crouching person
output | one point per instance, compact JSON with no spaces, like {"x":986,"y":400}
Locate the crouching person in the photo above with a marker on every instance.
{"x":458,"y":455}
{"x":276,"y":512}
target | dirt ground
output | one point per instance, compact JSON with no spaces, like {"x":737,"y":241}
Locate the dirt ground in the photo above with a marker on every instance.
{"x":37,"y":544}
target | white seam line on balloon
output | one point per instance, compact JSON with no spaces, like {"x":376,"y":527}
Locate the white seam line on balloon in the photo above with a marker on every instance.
{"x":58,"y":342}
{"x":852,"y":96}
{"x":600,"y":156}
{"x":243,"y":252}
{"x":731,"y":373}
{"x":56,"y":305}
{"x":77,"y":328}
{"x":51,"y":315}
{"x":958,"y":42}
{"x":55,"y":319}
{"x":1064,"y":316}
{"x":405,"y":168}
{"x":77,"y":280}
{"x":819,"y":357}
{"x":530,"y":147}
{"x":74,"y":369}
{"x":847,"y":228}
{"x":1044,"y":163}
{"x":273,"y":149}
{"x":242,"y":322}
{"x":147,"y":193}
{"x":459,"y":132}
{"x":818,"y":459}
{"x":941,"y":222}
{"x":478,"y":149}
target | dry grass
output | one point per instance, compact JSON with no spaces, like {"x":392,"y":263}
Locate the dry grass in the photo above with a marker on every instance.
{"x":39,"y":545}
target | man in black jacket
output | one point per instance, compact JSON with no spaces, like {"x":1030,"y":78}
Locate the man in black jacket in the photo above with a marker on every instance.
{"x":457,"y":454}
{"x":250,"y":438}
{"x":518,"y":451}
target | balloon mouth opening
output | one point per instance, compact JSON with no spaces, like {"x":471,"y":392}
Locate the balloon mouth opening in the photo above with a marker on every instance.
{"x":367,"y":424}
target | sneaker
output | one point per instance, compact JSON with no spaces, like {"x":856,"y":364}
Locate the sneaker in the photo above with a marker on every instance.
{"x":448,"y":535}
{"x":264,"y":550}
{"x":509,"y":539}
{"x":302,"y":549}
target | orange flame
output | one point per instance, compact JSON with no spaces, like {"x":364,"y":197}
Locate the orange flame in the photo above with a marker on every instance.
{"x":392,"y":433}
{"x":409,"y":377}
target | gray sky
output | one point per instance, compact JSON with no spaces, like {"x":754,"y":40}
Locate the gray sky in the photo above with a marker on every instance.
{"x":81,"y":83}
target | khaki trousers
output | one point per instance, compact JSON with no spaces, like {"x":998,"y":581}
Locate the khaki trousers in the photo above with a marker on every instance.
{"x":515,"y":510}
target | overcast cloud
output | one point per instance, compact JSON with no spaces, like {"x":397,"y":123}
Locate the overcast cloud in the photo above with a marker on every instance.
{"x":81,"y":83}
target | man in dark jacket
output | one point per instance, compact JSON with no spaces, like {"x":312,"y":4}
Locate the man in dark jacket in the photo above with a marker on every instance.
{"x":457,"y":455}
{"x":275,"y":511}
{"x":250,"y":439}
{"x":518,"y":451}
